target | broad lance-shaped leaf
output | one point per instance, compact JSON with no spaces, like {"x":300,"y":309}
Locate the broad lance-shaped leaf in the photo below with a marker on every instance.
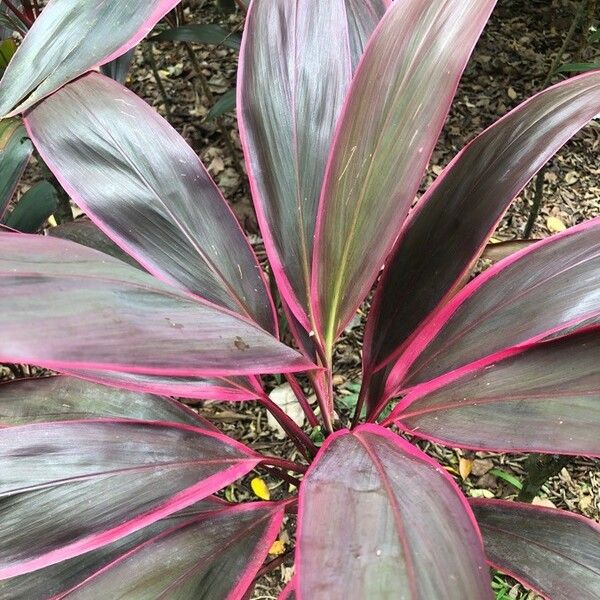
{"x":71,"y":487}
{"x":401,"y":528}
{"x":392,"y":117}
{"x":53,"y":581}
{"x":15,"y":151}
{"x":84,"y":232}
{"x":69,"y":307}
{"x":544,"y":398}
{"x":210,"y":550}
{"x":70,"y":38}
{"x":44,"y":399}
{"x":295,"y":67}
{"x":546,"y":289}
{"x":458,"y":214}
{"x":555,"y":552}
{"x":138,"y":180}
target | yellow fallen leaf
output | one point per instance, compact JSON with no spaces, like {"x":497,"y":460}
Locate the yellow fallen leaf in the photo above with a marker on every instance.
{"x":464,"y":467}
{"x":259,"y":487}
{"x":52,"y":221}
{"x":481,"y":493}
{"x":554,"y":224}
{"x":277,"y":548}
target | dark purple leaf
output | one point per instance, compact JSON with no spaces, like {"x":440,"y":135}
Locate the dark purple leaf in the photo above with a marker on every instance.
{"x":555,"y":552}
{"x":71,"y":487}
{"x":460,"y":211}
{"x":546,"y":289}
{"x":379,"y":519}
{"x":135,"y":176}
{"x":295,"y":68}
{"x":68,"y":307}
{"x":210,"y":551}
{"x":54,"y":581}
{"x":545,"y":398}
{"x":392,"y":117}
{"x":46,"y":399}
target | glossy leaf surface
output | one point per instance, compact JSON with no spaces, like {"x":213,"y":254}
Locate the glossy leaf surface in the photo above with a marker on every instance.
{"x":542,"y":399}
{"x":547,"y":288}
{"x":391,"y":120}
{"x":70,"y":38}
{"x":457,"y":215}
{"x":46,"y":399}
{"x":552,"y":551}
{"x":15,"y":151}
{"x":69,"y":307}
{"x":134,"y":175}
{"x":399,"y":528}
{"x":71,"y":487}
{"x":35,"y":206}
{"x":215,"y":556}
{"x":287,"y":111}
{"x":56,"y":580}
{"x":209,"y":555}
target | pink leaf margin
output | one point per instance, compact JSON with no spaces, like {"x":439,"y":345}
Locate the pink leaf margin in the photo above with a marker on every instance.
{"x":437,"y":321}
{"x":141,"y":258}
{"x":179,"y":501}
{"x":416,"y":393}
{"x":377,"y":300}
{"x":403,"y":446}
{"x":251,"y":567}
{"x":539,"y":509}
{"x":323,"y":201}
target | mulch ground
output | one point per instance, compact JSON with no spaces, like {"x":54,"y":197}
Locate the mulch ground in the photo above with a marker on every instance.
{"x":510,"y":63}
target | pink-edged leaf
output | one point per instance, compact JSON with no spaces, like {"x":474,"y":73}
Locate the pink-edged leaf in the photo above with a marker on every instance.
{"x":192,"y":388}
{"x":555,"y":552}
{"x":400,"y":528}
{"x":289,"y":592}
{"x":546,"y":289}
{"x":71,"y":487}
{"x":393,"y":114}
{"x":295,"y":68}
{"x":213,"y":554}
{"x":56,"y":580}
{"x":459,"y":213}
{"x":135,"y":176}
{"x":70,"y":38}
{"x":15,"y":151}
{"x":45,"y":399}
{"x":66,"y":306}
{"x":543,"y":398}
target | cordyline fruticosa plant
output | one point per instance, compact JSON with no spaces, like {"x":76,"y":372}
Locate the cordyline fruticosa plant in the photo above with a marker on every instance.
{"x":107,"y":493}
